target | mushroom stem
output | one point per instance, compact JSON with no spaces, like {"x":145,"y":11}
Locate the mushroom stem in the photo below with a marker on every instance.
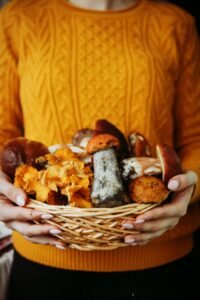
{"x":107,"y":189}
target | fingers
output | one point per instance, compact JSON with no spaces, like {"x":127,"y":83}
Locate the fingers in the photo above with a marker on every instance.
{"x":14,"y":194}
{"x":38,"y":234}
{"x":9,"y":212}
{"x":31,"y":230}
{"x":142,"y":239}
{"x":46,"y":240}
{"x":152,"y":226}
{"x":182,"y":181}
{"x":157,"y":221}
{"x":183,"y":184}
{"x":176,"y":208}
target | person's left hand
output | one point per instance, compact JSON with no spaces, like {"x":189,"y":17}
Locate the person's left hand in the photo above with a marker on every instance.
{"x":158,"y":220}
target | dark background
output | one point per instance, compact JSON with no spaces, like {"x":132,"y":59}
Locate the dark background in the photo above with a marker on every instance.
{"x":192,"y":6}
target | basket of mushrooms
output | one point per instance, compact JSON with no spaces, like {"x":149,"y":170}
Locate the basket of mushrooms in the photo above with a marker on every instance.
{"x":94,"y":184}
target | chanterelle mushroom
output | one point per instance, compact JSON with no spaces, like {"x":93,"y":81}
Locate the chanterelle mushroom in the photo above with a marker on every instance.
{"x":107,"y":189}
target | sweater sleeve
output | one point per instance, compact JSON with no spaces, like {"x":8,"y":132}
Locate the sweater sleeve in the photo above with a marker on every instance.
{"x":187,"y":105}
{"x":10,"y":109}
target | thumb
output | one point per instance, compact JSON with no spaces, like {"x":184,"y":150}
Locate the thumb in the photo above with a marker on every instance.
{"x":183,"y":181}
{"x":14,"y":194}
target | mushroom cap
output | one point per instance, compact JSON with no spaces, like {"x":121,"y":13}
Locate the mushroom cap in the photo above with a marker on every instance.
{"x":82,"y":136}
{"x":148,"y":189}
{"x":104,"y":126}
{"x":170,"y":162}
{"x":102,"y":142}
{"x":139,"y":144}
{"x":18,"y":151}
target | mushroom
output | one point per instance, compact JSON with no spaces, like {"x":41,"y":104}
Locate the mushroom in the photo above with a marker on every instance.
{"x":103,"y":126}
{"x":82,"y":137}
{"x":81,"y":153}
{"x":148,"y":189}
{"x":139,"y":145}
{"x":170,"y":162}
{"x":137,"y":166}
{"x":107,"y":188}
{"x":20,"y":151}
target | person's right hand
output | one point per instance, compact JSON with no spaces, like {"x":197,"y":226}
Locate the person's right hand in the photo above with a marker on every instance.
{"x":20,"y":219}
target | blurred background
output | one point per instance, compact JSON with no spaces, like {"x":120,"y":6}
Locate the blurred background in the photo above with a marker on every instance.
{"x":2,"y":2}
{"x":192,"y":6}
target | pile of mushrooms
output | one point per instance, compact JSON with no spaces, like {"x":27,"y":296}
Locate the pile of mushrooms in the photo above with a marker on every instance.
{"x":124,"y":169}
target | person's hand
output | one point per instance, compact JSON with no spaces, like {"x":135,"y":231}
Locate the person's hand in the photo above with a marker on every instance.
{"x":157,"y":221}
{"x":20,"y":219}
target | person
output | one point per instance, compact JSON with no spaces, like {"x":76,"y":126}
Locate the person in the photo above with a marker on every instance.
{"x":65,"y":64}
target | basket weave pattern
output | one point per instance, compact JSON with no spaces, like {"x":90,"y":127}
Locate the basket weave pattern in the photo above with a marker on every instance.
{"x":91,"y":228}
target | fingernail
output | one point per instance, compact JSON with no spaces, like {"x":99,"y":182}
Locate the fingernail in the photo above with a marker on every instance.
{"x":54,"y":231}
{"x":139,"y":221}
{"x":130,"y":241}
{"x":20,"y":200}
{"x":173,"y":184}
{"x":46,"y":216}
{"x":60,"y":247}
{"x":128,"y":226}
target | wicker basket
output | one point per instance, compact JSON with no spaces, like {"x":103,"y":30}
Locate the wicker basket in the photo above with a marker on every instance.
{"x":91,"y":228}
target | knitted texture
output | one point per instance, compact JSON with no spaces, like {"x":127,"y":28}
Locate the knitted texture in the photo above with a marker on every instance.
{"x":62,"y":68}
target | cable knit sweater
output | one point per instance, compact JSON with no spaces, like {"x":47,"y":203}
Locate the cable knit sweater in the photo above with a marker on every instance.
{"x":62,"y":67}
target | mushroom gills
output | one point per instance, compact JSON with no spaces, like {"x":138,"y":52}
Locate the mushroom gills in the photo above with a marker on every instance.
{"x":107,"y":189}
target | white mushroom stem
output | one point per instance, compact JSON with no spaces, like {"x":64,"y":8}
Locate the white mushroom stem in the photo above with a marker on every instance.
{"x":107,"y":187}
{"x":139,"y":166}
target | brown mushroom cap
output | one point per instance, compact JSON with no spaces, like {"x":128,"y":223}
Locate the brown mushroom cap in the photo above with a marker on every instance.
{"x":170,"y":162}
{"x":148,"y":189}
{"x":102,"y":142}
{"x":104,"y":126}
{"x":18,"y":151}
{"x":139,"y":145}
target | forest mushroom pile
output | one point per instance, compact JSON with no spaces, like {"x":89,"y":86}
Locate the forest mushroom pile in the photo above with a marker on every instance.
{"x":100,"y":168}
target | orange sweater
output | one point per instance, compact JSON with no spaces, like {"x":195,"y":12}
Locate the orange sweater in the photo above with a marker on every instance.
{"x":62,"y":67}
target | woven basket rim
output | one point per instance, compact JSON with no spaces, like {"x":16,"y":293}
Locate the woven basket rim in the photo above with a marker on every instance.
{"x":118,"y":211}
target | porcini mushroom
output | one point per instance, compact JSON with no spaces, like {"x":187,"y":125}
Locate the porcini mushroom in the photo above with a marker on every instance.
{"x":139,"y":145}
{"x":134,"y":167}
{"x":148,"y":189}
{"x":107,"y":189}
{"x":104,"y":126}
{"x":170,"y":162}
{"x":20,"y":151}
